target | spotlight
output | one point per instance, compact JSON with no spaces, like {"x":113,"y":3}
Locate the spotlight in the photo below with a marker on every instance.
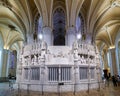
{"x":40,"y":36}
{"x":78,"y":36}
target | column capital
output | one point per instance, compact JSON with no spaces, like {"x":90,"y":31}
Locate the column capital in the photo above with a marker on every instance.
{"x":47,"y":29}
{"x":29,"y":38}
{"x":111,"y":49}
{"x":6,"y":51}
{"x":71,"y":30}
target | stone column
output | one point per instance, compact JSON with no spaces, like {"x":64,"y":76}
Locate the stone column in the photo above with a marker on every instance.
{"x":47,"y":35}
{"x":5,"y":64}
{"x":105,"y":59}
{"x":8,"y":63}
{"x":110,"y":61}
{"x":112,"y":58}
{"x":88,"y":37}
{"x":76,"y":75}
{"x":42,"y":74}
{"x":71,"y":36}
{"x":76,"y":67}
{"x":1,"y":61}
{"x":29,"y":38}
{"x":101,"y":62}
{"x":118,"y":56}
{"x":19,"y":68}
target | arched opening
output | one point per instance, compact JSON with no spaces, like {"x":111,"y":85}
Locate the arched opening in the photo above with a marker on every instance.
{"x":59,"y":27}
{"x":78,"y":24}
{"x":80,"y":27}
{"x":38,"y":27}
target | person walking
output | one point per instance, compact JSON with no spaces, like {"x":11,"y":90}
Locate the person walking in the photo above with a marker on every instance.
{"x":114,"y":80}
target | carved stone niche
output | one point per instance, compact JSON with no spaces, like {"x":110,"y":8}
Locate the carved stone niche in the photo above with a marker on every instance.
{"x":43,"y":45}
{"x":75,"y":45}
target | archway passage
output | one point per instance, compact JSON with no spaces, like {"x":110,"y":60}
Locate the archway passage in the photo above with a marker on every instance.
{"x":59,"y":40}
{"x":59,"y":27}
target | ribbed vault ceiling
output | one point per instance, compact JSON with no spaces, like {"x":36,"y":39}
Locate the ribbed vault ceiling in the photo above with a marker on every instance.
{"x":102,"y":18}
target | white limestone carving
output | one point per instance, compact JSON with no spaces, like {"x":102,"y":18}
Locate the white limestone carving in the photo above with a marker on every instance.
{"x":82,"y":60}
{"x":29,"y":60}
{"x":59,"y":60}
{"x":32,"y":61}
{"x":70,"y":36}
{"x":39,"y":59}
{"x":47,"y":35}
{"x":35,"y":60}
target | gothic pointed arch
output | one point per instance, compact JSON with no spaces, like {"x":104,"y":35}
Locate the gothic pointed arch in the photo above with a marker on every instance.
{"x":59,"y":26}
{"x":80,"y":26}
{"x":38,"y":24}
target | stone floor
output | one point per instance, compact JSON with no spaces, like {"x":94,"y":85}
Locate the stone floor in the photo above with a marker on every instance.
{"x":7,"y":90}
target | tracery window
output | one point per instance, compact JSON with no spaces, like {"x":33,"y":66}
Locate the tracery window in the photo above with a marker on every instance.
{"x":40,"y":25}
{"x":80,"y":26}
{"x":37,"y":27}
{"x":59,"y":27}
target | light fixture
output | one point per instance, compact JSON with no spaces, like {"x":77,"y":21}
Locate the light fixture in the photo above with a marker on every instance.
{"x":6,"y":47}
{"x":111,"y":47}
{"x":79,"y":36}
{"x":40,"y":36}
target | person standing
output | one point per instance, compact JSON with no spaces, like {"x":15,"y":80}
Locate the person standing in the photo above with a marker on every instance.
{"x":114,"y":80}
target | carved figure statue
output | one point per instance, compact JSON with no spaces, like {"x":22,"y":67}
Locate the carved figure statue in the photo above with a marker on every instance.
{"x":25,"y":61}
{"x":29,"y":60}
{"x":32,"y":61}
{"x":39,"y":59}
{"x":35,"y":59}
{"x":84,"y":61}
